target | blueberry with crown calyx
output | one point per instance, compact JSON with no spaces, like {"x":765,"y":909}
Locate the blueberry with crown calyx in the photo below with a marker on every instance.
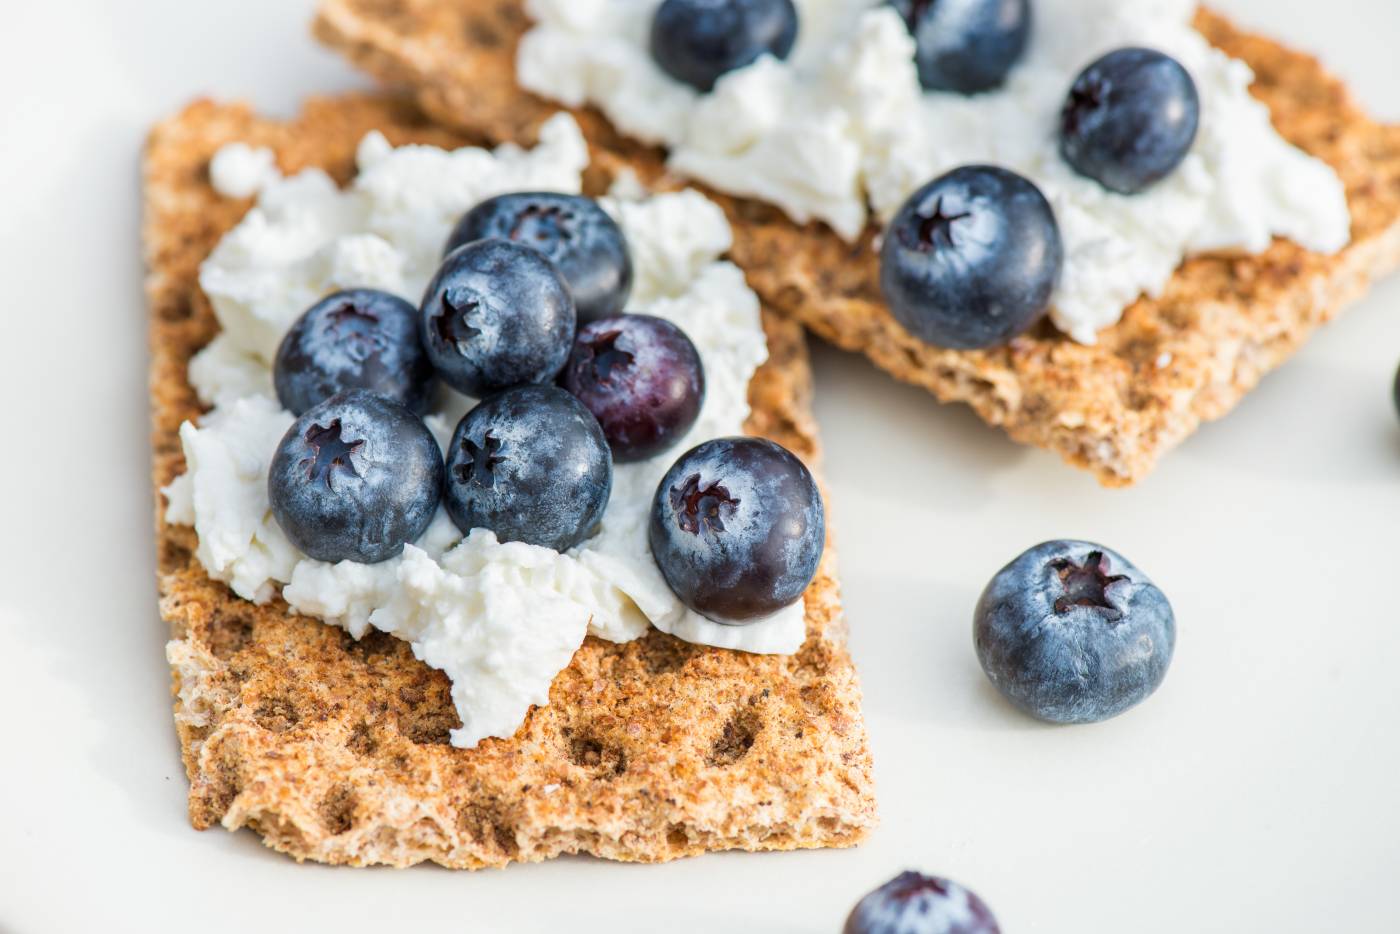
{"x":1072,"y":632}
{"x":1130,"y":119}
{"x":971,"y":259}
{"x":737,"y":529}
{"x":496,"y":315}
{"x":913,"y":903}
{"x":966,"y":46}
{"x":698,"y":41}
{"x":531,"y":465}
{"x":573,"y":232}
{"x":355,"y":479}
{"x":641,"y":377}
{"x":354,"y":339}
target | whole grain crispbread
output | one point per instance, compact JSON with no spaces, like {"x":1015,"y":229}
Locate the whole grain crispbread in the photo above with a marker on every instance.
{"x":1113,"y":408}
{"x":337,"y":750}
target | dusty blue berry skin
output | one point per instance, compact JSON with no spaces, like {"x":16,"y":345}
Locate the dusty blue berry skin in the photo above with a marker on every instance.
{"x":573,"y":232}
{"x":697,"y":41}
{"x":1130,"y":119}
{"x":1395,"y":392}
{"x":1072,"y":632}
{"x":355,"y":479}
{"x":972,"y":258}
{"x":531,"y":465}
{"x":912,"y":903}
{"x":642,"y":378}
{"x":356,"y":339}
{"x":966,"y":46}
{"x":496,"y":315}
{"x":737,"y":529}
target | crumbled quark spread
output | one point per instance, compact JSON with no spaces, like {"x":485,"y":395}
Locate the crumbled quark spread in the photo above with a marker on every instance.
{"x":842,"y":126}
{"x":500,"y":619}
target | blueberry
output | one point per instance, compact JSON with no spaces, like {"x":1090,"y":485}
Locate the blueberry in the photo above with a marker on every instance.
{"x":355,"y":478}
{"x":966,"y":46}
{"x":1130,"y":119}
{"x":697,"y":41}
{"x":573,"y":232}
{"x":641,"y":377}
{"x":1072,"y":632}
{"x":357,"y":339}
{"x":912,"y":903}
{"x":531,"y":465}
{"x":971,"y":259}
{"x":497,"y":315}
{"x":737,"y":529}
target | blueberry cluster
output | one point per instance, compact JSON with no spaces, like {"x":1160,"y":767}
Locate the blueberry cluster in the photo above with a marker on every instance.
{"x":973,"y":258}
{"x":359,"y":475}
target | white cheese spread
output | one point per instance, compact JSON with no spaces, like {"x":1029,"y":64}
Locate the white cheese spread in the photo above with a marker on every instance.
{"x":500,"y":619}
{"x":842,"y":126}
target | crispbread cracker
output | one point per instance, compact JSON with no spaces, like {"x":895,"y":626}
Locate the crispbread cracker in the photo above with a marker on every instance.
{"x":338,"y":751}
{"x":1113,"y":408}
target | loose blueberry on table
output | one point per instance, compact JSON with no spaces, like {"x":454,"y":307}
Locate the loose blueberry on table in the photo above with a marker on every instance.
{"x":575,"y":234}
{"x":355,"y":479}
{"x":1395,"y":392}
{"x":497,"y":315}
{"x":972,"y":258}
{"x":966,"y":46}
{"x":1130,"y":119}
{"x":737,"y":529}
{"x":641,"y":377}
{"x":356,"y":339}
{"x":912,"y":903}
{"x":531,"y":465}
{"x":1072,"y":632}
{"x":698,"y":41}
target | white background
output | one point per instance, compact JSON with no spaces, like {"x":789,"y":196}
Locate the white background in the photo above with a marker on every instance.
{"x":1256,"y":792}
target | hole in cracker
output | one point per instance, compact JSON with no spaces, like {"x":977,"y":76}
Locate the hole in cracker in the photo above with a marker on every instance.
{"x":488,"y":825}
{"x":590,"y":752}
{"x":374,"y":644}
{"x":276,"y":714}
{"x":736,"y":739}
{"x":663,"y":654}
{"x":230,"y":630}
{"x":337,"y":809}
{"x":362,"y":741}
{"x":423,"y":707}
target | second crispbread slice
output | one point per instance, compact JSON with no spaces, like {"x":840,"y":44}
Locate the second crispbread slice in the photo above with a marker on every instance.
{"x":1114,"y":408}
{"x":336,"y":750}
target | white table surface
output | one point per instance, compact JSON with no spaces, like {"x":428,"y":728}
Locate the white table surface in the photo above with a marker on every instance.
{"x":1257,"y":791}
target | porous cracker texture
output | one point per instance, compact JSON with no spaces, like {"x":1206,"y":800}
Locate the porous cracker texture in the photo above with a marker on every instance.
{"x":336,"y":750}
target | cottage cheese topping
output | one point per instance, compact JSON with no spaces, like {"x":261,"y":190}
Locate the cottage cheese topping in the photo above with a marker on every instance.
{"x":500,"y":619}
{"x":843,"y":123}
{"x":240,"y":171}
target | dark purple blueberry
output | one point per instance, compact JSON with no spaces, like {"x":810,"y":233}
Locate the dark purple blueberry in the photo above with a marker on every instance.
{"x":355,"y":479}
{"x":1072,"y":632}
{"x":966,"y":46}
{"x":737,"y":529}
{"x":641,"y":378}
{"x":573,"y":232}
{"x":972,"y":258}
{"x":698,"y":41}
{"x":1130,"y":119}
{"x":912,"y":903}
{"x":531,"y":465}
{"x":497,"y":315}
{"x":356,"y":339}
